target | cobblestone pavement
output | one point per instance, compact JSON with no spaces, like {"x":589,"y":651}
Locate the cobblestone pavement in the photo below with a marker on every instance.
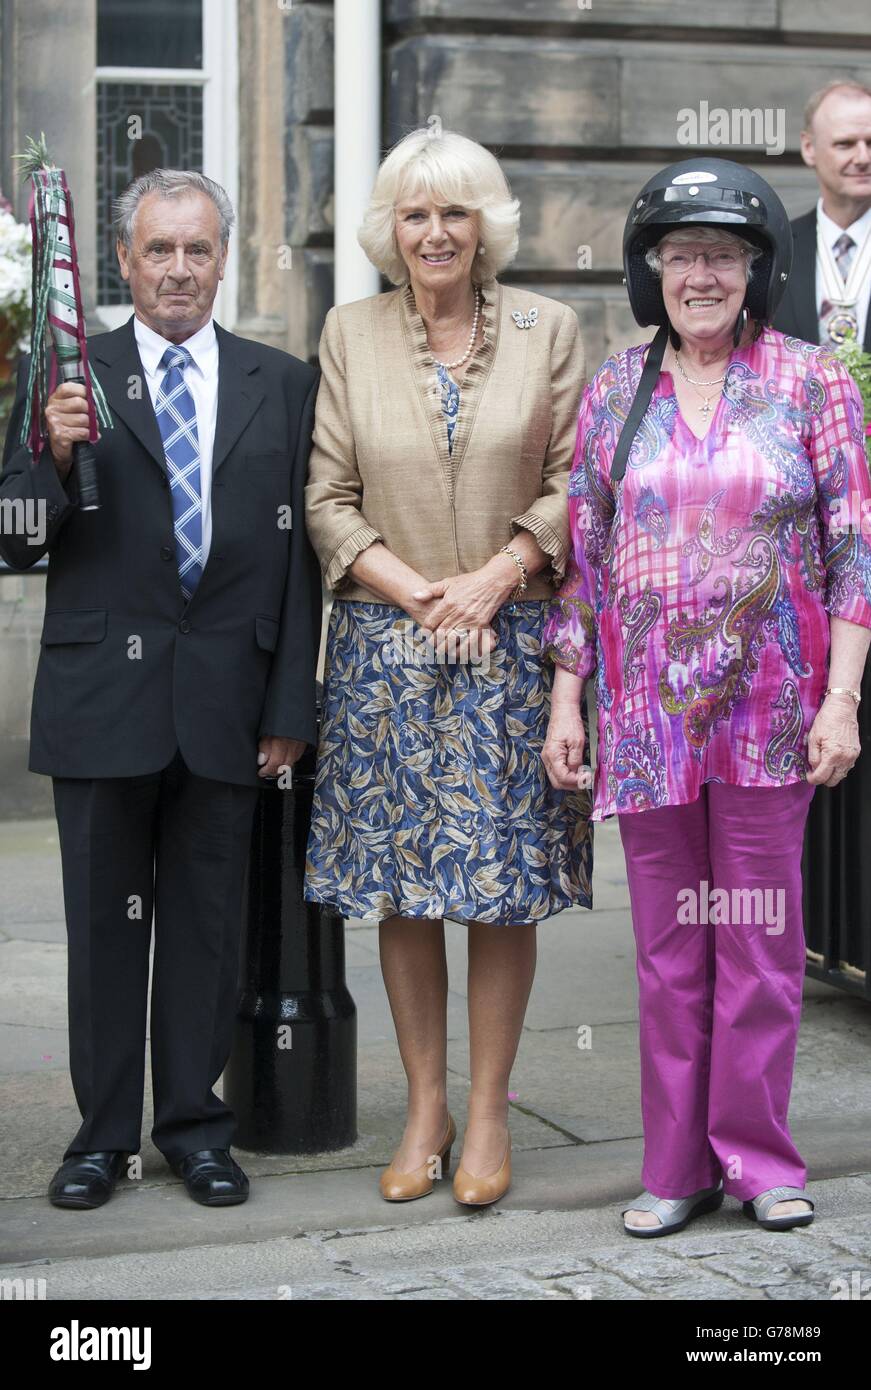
{"x":494,"y":1255}
{"x":761,"y":1267}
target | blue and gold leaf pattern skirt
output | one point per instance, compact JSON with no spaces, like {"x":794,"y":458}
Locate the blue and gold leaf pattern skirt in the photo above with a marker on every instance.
{"x":431,"y":799}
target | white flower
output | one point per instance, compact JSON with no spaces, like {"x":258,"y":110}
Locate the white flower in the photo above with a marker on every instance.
{"x":15,"y":253}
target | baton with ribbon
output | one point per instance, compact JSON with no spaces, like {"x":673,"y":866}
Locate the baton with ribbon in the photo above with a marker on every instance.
{"x":58,"y":337}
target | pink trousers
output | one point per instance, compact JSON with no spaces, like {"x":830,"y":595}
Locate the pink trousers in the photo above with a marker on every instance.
{"x":716,"y":895}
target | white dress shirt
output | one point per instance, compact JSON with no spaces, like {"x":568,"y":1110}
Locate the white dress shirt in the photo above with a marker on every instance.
{"x":201,"y":379}
{"x":858,"y":231}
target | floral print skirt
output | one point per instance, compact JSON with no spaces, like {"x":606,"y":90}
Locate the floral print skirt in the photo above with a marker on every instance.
{"x":431,"y":799}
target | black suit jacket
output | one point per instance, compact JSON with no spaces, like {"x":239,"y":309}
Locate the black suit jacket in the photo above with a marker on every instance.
{"x":797,"y":312}
{"x":211,"y":676}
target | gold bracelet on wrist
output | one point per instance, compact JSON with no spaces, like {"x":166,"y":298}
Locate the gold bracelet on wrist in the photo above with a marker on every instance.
{"x":842,"y":690}
{"x":523,"y":582}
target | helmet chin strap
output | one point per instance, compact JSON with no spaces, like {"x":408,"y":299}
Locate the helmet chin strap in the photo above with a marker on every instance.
{"x":652,"y":367}
{"x":740,"y":325}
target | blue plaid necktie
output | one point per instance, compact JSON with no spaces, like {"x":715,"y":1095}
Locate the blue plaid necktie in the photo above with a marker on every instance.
{"x":177,"y":418}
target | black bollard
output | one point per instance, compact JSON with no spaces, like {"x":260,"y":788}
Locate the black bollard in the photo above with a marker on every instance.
{"x":836,"y":871}
{"x":291,"y":1079}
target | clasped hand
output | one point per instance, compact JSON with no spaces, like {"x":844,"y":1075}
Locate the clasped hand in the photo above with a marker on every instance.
{"x":458,"y":610}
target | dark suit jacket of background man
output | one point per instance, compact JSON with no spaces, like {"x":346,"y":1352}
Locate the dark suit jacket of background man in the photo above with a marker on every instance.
{"x":797,"y":313}
{"x":237,"y":662}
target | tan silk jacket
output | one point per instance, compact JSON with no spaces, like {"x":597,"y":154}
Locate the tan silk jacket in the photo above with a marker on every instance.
{"x":380,"y":467}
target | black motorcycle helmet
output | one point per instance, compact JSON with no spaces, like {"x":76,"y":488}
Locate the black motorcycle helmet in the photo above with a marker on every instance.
{"x":699,"y":192}
{"x":708,"y":193}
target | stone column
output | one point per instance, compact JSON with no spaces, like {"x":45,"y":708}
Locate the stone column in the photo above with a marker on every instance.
{"x":48,"y":53}
{"x":259,"y":231}
{"x":284,"y":235}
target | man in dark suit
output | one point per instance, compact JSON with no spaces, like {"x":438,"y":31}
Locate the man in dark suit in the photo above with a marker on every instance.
{"x":177,"y":671}
{"x":836,"y":144}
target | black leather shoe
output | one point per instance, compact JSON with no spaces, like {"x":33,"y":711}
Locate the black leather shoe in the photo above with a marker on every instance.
{"x":86,"y":1180}
{"x":213,"y":1178}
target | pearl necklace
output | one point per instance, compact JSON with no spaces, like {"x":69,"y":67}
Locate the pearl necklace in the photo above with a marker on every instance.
{"x":449,"y":366}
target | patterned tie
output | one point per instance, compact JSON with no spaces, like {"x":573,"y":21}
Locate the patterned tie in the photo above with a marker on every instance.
{"x":843,"y":248}
{"x":177,"y":418}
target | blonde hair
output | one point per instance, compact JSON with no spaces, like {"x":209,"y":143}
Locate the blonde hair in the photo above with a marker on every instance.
{"x":453,"y":172}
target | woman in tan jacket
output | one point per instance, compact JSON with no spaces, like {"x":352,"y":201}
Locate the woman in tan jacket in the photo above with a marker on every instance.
{"x":437,"y":505}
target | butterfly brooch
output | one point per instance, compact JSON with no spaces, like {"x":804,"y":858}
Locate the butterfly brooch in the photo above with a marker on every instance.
{"x":525,"y":320}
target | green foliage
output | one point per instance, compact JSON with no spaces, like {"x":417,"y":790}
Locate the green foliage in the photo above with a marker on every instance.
{"x":35,"y":156}
{"x":858,"y":364}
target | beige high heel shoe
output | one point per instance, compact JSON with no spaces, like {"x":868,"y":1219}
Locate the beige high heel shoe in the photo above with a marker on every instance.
{"x":480,"y":1192}
{"x":405,"y":1187}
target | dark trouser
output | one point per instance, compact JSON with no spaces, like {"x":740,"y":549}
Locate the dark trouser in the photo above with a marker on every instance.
{"x":176,"y":846}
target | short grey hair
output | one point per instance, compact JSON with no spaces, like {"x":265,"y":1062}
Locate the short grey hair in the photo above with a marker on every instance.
{"x":816,"y":99}
{"x":702,"y":233}
{"x":168,"y":183}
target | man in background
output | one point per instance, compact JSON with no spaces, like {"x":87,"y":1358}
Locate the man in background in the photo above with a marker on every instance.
{"x":828,"y":291}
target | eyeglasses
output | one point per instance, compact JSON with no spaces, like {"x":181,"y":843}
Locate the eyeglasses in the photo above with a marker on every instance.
{"x":719,"y":259}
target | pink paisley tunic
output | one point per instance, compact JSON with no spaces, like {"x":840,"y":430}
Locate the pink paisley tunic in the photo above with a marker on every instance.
{"x":701,"y":594}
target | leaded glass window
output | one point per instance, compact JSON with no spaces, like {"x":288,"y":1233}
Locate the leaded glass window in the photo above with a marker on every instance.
{"x":150,"y":82}
{"x":171,"y":118}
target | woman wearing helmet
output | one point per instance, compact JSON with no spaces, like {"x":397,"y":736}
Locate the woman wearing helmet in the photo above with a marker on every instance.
{"x":721,"y":591}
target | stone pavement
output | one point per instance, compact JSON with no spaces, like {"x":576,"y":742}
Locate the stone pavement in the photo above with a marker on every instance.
{"x":316,"y":1227}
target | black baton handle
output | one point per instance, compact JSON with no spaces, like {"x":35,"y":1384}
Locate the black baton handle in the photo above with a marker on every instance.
{"x":85,"y":465}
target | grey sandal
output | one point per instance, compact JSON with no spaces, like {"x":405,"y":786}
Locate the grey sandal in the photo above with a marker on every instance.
{"x":674,"y":1212}
{"x":761,"y":1205}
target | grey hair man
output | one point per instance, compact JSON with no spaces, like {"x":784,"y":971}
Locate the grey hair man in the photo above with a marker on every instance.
{"x":173,"y":233}
{"x":177,"y":672}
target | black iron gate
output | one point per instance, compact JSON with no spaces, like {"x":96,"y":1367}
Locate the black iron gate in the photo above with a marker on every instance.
{"x":836,"y":867}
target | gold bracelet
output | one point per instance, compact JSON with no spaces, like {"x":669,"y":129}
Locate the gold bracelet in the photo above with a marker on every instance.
{"x":523,"y":582}
{"x":842,"y":690}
